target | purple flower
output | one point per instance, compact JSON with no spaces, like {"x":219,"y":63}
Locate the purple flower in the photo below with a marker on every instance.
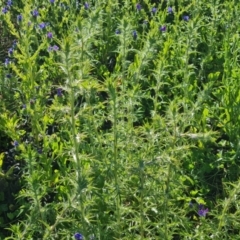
{"x":163,"y":28}
{"x":154,"y":10}
{"x":15,"y":143}
{"x":52,"y":1}
{"x":117,"y":32}
{"x":53,"y":48}
{"x":49,"y":35}
{"x":9,"y":3}
{"x":59,"y":92}
{"x":4,"y":10}
{"x":78,"y":236}
{"x":186,"y":18}
{"x":19,"y":17}
{"x":42,"y":25}
{"x":10,"y":51}
{"x":170,"y":10}
{"x":35,"y":13}
{"x":202,"y":211}
{"x":39,"y":151}
{"x":86,"y":6}
{"x":138,"y":6}
{"x":7,"y":62}
{"x":8,"y":75}
{"x":134,"y":33}
{"x":14,"y":43}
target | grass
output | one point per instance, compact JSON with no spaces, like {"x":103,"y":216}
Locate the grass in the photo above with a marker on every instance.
{"x":119,"y":121}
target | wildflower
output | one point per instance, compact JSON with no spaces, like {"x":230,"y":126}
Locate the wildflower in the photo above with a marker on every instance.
{"x":49,"y":35}
{"x":4,"y":10}
{"x":117,"y":31}
{"x":42,"y":25}
{"x":138,"y":7}
{"x":53,"y":48}
{"x":86,"y":6}
{"x":52,"y":1}
{"x":19,"y":17}
{"x":24,"y":106}
{"x":59,"y":92}
{"x":134,"y":33}
{"x":35,"y":13}
{"x":78,"y":236}
{"x":15,"y":143}
{"x":154,"y":10}
{"x":186,"y":18}
{"x":10,"y":51}
{"x":8,"y":75}
{"x":39,"y":151}
{"x":9,"y":3}
{"x":7,"y":62}
{"x":202,"y":211}
{"x":170,"y":10}
{"x":163,"y":28}
{"x":14,"y":43}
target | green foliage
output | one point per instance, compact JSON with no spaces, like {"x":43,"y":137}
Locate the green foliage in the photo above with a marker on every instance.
{"x":123,"y":124}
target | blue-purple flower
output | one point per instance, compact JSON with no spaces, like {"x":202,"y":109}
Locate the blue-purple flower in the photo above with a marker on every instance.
{"x":53,"y":48}
{"x":15,"y":143}
{"x":39,"y":150}
{"x":117,"y":32}
{"x":35,"y":13}
{"x":154,"y":10}
{"x":19,"y":17}
{"x":59,"y":92}
{"x":170,"y":10}
{"x":186,"y":18}
{"x":7,"y":62}
{"x":52,"y":1}
{"x":9,"y":3}
{"x":202,"y":212}
{"x":138,"y":6}
{"x":134,"y":33}
{"x":163,"y":28}
{"x":78,"y":236}
{"x":42,"y":25}
{"x":4,"y":10}
{"x":14,"y":43}
{"x":49,"y":35}
{"x":86,"y":6}
{"x":10,"y":51}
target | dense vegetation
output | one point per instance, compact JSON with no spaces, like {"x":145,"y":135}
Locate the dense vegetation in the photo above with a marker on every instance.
{"x":119,"y":119}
